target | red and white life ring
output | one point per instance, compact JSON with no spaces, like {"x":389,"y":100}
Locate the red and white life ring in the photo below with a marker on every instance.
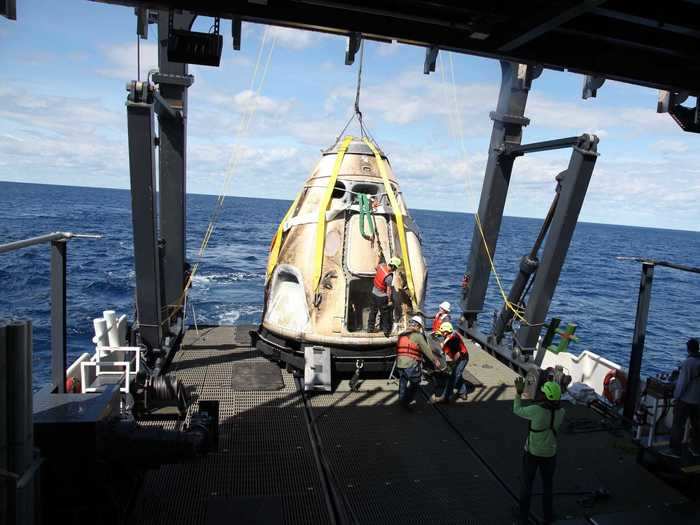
{"x":72,"y":385}
{"x":614,"y":386}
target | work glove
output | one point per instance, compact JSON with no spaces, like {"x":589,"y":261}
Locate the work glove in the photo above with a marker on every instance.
{"x":519,"y":385}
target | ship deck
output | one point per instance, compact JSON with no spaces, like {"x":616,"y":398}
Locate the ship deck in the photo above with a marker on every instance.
{"x":289,"y":457}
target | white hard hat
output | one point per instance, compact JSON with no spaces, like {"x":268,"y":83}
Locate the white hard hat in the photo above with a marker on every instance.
{"x":445,"y":306}
{"x":417,"y":319}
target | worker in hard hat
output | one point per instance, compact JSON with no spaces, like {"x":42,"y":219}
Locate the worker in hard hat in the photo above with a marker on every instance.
{"x":544,"y":420}
{"x":410,"y":350}
{"x":442,"y":316}
{"x":452,"y":385}
{"x":381,"y":297}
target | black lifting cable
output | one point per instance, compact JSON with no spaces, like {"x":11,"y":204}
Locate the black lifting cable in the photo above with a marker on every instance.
{"x":357,"y":114}
{"x":357,"y":92}
{"x":339,"y":507}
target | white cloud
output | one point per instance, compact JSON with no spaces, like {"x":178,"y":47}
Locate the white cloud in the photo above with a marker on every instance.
{"x":412,"y":97}
{"x":669,"y":146}
{"x":56,"y":114}
{"x":296,"y":39}
{"x":248,"y":98}
{"x":314,"y":132}
{"x":387,"y":49}
{"x":238,"y":60}
{"x":586,"y":116}
{"x":245,"y":101}
{"x":122,"y":60}
{"x":79,"y":140}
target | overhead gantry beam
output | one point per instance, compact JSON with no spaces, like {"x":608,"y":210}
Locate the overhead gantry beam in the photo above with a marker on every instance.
{"x":669,"y":21}
{"x":652,"y":45}
{"x":546,"y":21}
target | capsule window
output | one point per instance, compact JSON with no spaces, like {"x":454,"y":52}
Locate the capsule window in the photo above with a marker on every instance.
{"x":368,"y":189}
{"x":338,"y":190}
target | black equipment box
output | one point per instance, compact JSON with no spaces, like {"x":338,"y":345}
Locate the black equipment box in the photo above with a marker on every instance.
{"x":660,"y":388}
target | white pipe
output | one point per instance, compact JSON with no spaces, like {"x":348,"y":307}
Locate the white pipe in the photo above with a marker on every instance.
{"x":121,"y":330}
{"x":101,"y":338}
{"x":112,"y":329}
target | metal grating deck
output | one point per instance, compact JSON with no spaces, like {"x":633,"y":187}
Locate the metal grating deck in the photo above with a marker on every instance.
{"x":399,"y":467}
{"x":445,"y":464}
{"x":264,"y":448}
{"x":586,"y":461}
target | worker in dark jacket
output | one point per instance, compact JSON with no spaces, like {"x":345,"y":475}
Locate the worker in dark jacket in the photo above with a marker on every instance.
{"x":410,"y":350}
{"x":540,"y":446}
{"x":687,"y":403}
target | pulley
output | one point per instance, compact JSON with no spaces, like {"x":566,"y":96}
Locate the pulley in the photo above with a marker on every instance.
{"x":192,"y":47}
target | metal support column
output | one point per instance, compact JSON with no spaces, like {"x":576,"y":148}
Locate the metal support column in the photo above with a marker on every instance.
{"x":139,"y":110}
{"x":173,"y":81}
{"x":4,"y":426}
{"x":58,"y":315}
{"x":508,"y":122}
{"x":528,"y":266}
{"x":8,"y":9}
{"x":574,"y":184}
{"x":21,"y":464}
{"x":640,"y":330}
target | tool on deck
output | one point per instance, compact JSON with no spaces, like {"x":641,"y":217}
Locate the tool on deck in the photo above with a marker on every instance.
{"x":355,"y":381}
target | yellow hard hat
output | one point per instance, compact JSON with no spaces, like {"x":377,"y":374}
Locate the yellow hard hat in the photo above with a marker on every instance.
{"x":446,"y":328}
{"x":395,"y":262}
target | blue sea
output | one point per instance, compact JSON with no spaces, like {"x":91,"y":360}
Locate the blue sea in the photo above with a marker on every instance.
{"x":596,"y":291}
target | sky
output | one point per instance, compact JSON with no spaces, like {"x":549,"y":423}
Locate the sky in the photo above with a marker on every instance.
{"x":258,"y":132}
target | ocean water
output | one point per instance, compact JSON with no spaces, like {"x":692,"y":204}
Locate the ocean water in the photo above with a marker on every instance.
{"x":595,"y":290}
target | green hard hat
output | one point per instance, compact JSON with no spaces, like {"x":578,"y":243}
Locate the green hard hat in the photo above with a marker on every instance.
{"x":552,"y":391}
{"x":395,"y":262}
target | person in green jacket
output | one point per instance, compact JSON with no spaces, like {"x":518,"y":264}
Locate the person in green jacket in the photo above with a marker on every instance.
{"x":544,"y":419}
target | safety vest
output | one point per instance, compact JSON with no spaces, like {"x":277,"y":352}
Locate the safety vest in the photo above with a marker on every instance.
{"x":553,"y":413}
{"x":408,"y":348}
{"x":382,"y":273}
{"x":453,"y":345}
{"x":439,"y":318}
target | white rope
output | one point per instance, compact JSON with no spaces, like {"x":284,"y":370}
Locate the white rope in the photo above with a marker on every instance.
{"x":256,"y":85}
{"x":516,"y":309}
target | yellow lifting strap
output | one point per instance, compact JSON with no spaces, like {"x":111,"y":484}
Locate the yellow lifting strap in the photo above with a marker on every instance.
{"x":321,"y":223}
{"x":399,"y":219}
{"x":277,"y":240}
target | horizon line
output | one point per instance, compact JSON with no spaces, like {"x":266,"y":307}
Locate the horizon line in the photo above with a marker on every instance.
{"x":412,"y":208}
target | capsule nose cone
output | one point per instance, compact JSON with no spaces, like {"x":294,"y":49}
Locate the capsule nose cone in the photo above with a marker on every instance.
{"x":357,"y":146}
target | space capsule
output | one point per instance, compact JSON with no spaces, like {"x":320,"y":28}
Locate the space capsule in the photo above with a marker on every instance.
{"x":349,"y":217}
